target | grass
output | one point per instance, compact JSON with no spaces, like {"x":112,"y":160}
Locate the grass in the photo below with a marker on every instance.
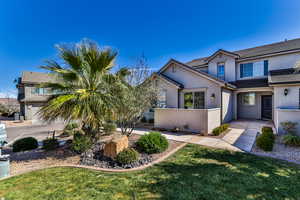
{"x":194,"y":172}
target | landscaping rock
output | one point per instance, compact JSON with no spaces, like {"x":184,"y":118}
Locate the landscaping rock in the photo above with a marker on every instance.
{"x":116,"y":145}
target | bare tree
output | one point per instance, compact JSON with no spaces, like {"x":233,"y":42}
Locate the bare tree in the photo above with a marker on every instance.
{"x":136,"y":96}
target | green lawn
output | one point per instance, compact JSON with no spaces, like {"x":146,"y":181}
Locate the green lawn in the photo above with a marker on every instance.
{"x":192,"y":173}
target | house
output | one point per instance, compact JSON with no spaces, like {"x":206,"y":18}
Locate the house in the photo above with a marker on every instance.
{"x":255,"y":83}
{"x":32,"y":97}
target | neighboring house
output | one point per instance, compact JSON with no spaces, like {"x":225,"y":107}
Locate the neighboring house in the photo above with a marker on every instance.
{"x":255,"y":83}
{"x":10,"y":103}
{"x":30,"y":96}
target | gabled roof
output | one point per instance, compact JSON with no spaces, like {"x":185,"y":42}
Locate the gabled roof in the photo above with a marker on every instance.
{"x":222,"y":51}
{"x":200,"y":73}
{"x":169,"y":80}
{"x":264,"y":50}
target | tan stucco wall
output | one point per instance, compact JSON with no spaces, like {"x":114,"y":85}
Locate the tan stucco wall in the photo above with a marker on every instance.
{"x":197,"y":120}
{"x":229,"y":66}
{"x":171,"y":92}
{"x":283,"y":115}
{"x":193,"y":82}
{"x":289,"y":101}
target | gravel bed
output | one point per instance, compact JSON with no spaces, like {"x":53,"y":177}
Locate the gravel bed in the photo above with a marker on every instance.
{"x":280,"y":151}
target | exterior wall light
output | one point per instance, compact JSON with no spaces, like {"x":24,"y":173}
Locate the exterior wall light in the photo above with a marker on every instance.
{"x":286,"y":91}
{"x":213,"y":96}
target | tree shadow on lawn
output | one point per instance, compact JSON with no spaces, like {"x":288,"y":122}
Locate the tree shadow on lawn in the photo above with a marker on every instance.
{"x":202,"y":173}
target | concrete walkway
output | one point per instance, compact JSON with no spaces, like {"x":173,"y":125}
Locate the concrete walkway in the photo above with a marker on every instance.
{"x":240,"y":137}
{"x":243,"y":133}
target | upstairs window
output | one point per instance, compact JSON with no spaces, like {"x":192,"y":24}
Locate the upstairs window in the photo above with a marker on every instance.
{"x":221,"y":71}
{"x":254,"y":69}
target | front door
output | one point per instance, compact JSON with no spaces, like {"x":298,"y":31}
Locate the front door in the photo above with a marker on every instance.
{"x":266,"y":107}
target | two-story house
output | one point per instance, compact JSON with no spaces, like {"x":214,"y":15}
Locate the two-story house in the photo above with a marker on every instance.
{"x":32,"y":97}
{"x":255,"y":83}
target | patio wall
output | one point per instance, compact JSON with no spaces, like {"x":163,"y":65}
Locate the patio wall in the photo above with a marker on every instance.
{"x":285,"y":114}
{"x":197,"y":120}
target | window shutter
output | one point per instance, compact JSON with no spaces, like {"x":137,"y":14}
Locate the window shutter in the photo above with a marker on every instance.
{"x":266,"y":67}
{"x":241,"y":70}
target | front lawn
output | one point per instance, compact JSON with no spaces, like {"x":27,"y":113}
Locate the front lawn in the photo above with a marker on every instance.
{"x":194,"y":172}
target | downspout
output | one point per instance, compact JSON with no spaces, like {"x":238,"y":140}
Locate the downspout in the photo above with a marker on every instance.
{"x":178,"y":98}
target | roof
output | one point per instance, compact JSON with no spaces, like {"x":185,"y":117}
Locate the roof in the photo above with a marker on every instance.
{"x":284,"y":76}
{"x":279,"y":47}
{"x":251,"y":83}
{"x":37,"y":77}
{"x":201,"y":73}
{"x":170,"y":80}
{"x":286,"y":71}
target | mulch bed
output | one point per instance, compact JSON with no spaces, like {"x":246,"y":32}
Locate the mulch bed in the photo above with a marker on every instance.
{"x":280,"y":151}
{"x":95,"y":157}
{"x":21,"y":162}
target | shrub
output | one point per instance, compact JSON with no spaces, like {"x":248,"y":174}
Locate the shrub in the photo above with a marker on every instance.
{"x":81,"y":142}
{"x":266,"y":140}
{"x":109,"y":127}
{"x":220,"y":129}
{"x":266,"y":129}
{"x":292,"y":140}
{"x":153,"y":142}
{"x":289,"y":127}
{"x":25,"y":144}
{"x":50,"y":144}
{"x":127,"y":156}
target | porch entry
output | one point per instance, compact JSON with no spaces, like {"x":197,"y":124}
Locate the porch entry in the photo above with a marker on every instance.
{"x":254,"y":105}
{"x":266,"y":107}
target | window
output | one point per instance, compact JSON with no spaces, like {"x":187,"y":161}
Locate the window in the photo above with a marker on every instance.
{"x":41,"y":91}
{"x":162,"y":99}
{"x":199,"y":100}
{"x":194,"y":100}
{"x":248,"y":99}
{"x":254,"y":69}
{"x":173,"y":68}
{"x":188,"y":100}
{"x":221,"y":71}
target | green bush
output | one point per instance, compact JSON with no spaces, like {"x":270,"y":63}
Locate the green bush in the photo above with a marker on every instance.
{"x":292,"y":140}
{"x":266,"y":140}
{"x":266,"y":129}
{"x":81,"y":142}
{"x":50,"y":144}
{"x":71,"y":126}
{"x":25,"y":144}
{"x":220,"y":129}
{"x":127,"y":156}
{"x":109,"y":127}
{"x":153,"y":142}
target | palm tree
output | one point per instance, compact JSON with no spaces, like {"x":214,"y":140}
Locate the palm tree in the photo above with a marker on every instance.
{"x":83,"y":90}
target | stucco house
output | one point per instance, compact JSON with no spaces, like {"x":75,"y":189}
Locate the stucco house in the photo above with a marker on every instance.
{"x":255,"y":83}
{"x":30,"y":96}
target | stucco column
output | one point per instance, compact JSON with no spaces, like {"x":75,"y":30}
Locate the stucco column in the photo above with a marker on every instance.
{"x":235,"y":105}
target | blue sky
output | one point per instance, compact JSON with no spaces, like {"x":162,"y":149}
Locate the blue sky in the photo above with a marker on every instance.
{"x":159,"y":29}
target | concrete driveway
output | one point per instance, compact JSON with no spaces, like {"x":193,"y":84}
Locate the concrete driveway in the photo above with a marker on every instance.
{"x":39,"y":132}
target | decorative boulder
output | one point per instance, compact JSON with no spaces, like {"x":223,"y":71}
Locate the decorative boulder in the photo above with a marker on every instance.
{"x":116,"y":145}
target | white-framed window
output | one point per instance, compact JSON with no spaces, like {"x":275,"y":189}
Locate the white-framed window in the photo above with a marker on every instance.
{"x":221,"y":71}
{"x":248,"y":99}
{"x":194,"y":100}
{"x":41,"y":91}
{"x":254,"y":69}
{"x":162,"y":98}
